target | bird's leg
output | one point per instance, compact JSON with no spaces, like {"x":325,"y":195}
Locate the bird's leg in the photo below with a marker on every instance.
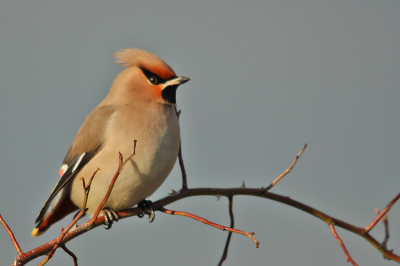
{"x":147,"y":207}
{"x":110,"y":217}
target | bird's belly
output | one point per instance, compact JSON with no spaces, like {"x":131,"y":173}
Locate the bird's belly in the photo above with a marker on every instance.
{"x":141,"y":176}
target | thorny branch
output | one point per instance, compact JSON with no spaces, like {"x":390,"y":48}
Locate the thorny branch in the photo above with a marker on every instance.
{"x":185,"y":192}
{"x":227,"y":192}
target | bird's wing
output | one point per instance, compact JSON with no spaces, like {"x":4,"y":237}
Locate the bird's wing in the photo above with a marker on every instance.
{"x":88,"y":142}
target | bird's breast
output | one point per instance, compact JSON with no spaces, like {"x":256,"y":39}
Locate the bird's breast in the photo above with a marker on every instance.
{"x":157,"y":133}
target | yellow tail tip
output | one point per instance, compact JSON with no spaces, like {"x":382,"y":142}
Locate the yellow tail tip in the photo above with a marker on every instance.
{"x":36,"y":232}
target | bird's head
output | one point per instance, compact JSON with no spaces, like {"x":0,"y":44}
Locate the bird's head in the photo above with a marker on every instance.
{"x":145,"y":77}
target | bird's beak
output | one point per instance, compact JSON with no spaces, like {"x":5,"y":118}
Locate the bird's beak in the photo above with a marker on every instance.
{"x":176,"y":81}
{"x":168,"y":93}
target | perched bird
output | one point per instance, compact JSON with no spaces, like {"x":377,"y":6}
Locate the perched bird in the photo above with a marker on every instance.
{"x":139,"y":106}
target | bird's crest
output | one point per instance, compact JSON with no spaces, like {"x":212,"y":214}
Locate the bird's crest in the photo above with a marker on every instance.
{"x":132,"y":57}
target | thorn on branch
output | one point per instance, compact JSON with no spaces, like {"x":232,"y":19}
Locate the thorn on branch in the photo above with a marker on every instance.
{"x":173,"y":193}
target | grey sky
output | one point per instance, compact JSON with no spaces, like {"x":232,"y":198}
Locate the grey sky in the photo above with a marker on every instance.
{"x":266,"y":78}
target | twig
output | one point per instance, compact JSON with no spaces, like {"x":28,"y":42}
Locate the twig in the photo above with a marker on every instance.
{"x":221,"y":227}
{"x":180,"y":157}
{"x":385,"y":222}
{"x":120,"y":167}
{"x":86,"y":190}
{"x":69,"y":252}
{"x":374,"y":222}
{"x":181,"y":164}
{"x":228,"y":239}
{"x":349,"y":259}
{"x":287,"y":170}
{"x":10,"y":233}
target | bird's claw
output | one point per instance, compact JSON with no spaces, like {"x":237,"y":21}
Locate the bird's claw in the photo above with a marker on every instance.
{"x":110,"y":217}
{"x":147,"y":207}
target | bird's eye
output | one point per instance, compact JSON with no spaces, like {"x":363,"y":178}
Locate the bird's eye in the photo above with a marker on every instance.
{"x":153,"y":80}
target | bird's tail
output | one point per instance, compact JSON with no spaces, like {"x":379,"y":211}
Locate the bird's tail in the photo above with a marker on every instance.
{"x":61,"y":209}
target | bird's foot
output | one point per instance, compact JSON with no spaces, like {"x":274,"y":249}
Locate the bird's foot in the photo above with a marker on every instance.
{"x":110,"y":217}
{"x":147,"y":207}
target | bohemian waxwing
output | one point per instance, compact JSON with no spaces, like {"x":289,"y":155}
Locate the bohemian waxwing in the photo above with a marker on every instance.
{"x":139,"y":106}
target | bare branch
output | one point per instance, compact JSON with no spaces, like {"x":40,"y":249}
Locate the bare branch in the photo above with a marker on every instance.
{"x":120,"y":167}
{"x":287,"y":170}
{"x":228,"y":239}
{"x":182,"y":165}
{"x":24,"y":258}
{"x":385,"y":222}
{"x":86,"y":190}
{"x":180,"y":158}
{"x":379,"y":217}
{"x":227,"y":192}
{"x":10,"y":233}
{"x":69,"y":252}
{"x":349,"y":259}
{"x":221,"y":227}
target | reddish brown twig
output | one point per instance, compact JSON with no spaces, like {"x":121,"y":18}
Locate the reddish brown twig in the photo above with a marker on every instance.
{"x":120,"y":167}
{"x":228,"y":239}
{"x":10,"y":233}
{"x":86,"y":190}
{"x":287,"y":170}
{"x":349,"y":259}
{"x":385,"y":222}
{"x":221,"y":227}
{"x":69,"y":252}
{"x":379,"y":217}
{"x":180,"y":157}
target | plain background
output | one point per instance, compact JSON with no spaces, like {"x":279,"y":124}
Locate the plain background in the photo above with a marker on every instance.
{"x":266,"y":78}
